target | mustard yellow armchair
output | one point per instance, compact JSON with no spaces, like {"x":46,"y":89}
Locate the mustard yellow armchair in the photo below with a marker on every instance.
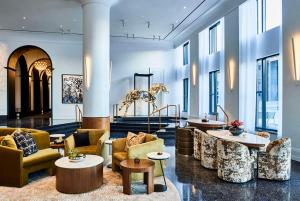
{"x":152,"y":144}
{"x":97,"y":146}
{"x":14,"y":168}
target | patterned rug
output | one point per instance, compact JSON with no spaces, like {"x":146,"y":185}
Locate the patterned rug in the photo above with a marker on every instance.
{"x":44,"y":189}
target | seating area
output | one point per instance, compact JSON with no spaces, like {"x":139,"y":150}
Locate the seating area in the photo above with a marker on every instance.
{"x":149,"y":100}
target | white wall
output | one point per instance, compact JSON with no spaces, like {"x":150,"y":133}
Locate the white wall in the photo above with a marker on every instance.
{"x":291,"y":92}
{"x":65,"y":52}
{"x":134,"y":57}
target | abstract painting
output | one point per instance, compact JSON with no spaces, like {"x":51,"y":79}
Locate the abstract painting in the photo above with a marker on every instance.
{"x":72,"y":89}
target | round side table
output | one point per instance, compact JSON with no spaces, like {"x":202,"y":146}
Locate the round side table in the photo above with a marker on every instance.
{"x":68,"y":174}
{"x":144,"y":166}
{"x":159,"y":156}
{"x":109,"y":143}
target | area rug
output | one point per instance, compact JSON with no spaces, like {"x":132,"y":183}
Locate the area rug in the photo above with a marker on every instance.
{"x":44,"y":190}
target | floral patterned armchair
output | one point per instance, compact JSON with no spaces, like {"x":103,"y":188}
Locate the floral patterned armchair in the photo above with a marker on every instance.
{"x":197,"y":143}
{"x":234,"y":162}
{"x":209,"y":151}
{"x":275,"y":162}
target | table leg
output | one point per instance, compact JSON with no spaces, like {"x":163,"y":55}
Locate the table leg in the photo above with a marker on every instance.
{"x":148,"y":180}
{"x":161,"y":187}
{"x":126,"y":175}
{"x":109,"y":151}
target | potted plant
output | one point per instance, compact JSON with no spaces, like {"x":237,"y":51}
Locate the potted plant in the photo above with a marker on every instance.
{"x":235,"y":128}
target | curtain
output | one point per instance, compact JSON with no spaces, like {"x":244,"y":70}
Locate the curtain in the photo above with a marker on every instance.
{"x":247,"y":67}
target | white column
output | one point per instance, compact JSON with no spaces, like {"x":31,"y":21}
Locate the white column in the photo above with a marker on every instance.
{"x":96,"y":57}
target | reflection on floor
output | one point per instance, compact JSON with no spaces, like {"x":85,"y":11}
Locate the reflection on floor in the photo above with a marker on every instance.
{"x":196,"y":183}
{"x":36,"y":121}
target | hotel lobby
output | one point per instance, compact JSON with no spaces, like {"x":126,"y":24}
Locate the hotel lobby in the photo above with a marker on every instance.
{"x":161,"y":100}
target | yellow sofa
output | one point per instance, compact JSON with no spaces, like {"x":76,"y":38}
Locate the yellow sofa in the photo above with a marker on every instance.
{"x":152,"y":144}
{"x":97,"y":146}
{"x":14,"y":168}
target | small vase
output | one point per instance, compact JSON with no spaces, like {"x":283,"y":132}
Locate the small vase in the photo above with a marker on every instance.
{"x":236,"y":131}
{"x":136,"y":160}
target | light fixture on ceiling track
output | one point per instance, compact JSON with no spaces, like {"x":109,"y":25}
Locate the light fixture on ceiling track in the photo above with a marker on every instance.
{"x":123,"y":23}
{"x":154,"y":37}
{"x":148,"y":24}
{"x":133,"y":36}
{"x":173,"y":26}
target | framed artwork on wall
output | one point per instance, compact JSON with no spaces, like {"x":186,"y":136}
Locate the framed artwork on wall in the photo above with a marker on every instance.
{"x":72,"y":89}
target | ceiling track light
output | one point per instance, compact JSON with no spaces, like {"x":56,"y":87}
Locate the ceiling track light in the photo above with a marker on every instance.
{"x":123,"y":23}
{"x":154,"y":37}
{"x":132,"y":35}
{"x":173,"y":26}
{"x":148,"y":24}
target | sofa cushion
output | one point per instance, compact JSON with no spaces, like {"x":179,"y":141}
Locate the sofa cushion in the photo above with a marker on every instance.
{"x":120,"y":155}
{"x":9,"y":141}
{"x":81,"y":139}
{"x":41,"y":156}
{"x":87,"y":149}
{"x":133,"y":139}
{"x":25,"y":142}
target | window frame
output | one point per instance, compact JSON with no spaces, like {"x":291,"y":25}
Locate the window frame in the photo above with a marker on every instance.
{"x":185,"y":57}
{"x":264,"y":94}
{"x":215,"y":94}
{"x":263,"y":19}
{"x":185,"y":94}
{"x":214,"y":26}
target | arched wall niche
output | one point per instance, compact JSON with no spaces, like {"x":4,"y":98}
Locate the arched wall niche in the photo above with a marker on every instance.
{"x":27,"y":94}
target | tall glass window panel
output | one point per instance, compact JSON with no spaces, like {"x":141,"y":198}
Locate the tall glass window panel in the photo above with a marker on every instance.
{"x":273,"y":14}
{"x":185,"y":94}
{"x":272,"y":104}
{"x":213,"y":91}
{"x":186,"y":54}
{"x":267,"y":101}
{"x":215,"y":38}
{"x":268,"y":15}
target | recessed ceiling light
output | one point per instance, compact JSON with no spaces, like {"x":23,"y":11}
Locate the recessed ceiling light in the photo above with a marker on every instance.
{"x":61,"y":26}
{"x":24,"y":18}
{"x":184,"y":7}
{"x":23,"y":27}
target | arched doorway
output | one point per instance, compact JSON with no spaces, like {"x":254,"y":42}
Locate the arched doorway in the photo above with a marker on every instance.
{"x":29,"y":79}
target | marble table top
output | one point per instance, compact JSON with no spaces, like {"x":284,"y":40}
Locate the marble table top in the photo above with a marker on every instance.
{"x":248,"y":139}
{"x":89,"y":161}
{"x":57,"y":135}
{"x":155,"y":156}
{"x":210,"y":122}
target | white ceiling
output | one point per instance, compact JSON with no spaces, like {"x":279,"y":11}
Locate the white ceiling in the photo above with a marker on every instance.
{"x":58,"y":15}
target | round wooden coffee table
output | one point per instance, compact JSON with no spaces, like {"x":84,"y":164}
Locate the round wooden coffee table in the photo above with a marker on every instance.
{"x":144,"y":166}
{"x":79,"y":177}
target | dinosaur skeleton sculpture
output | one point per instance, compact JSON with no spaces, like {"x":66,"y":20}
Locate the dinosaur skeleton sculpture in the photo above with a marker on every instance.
{"x":147,"y":96}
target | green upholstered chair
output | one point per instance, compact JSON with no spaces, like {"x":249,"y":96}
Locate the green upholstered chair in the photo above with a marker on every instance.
{"x":151,"y":144}
{"x":97,"y":146}
{"x":14,"y":168}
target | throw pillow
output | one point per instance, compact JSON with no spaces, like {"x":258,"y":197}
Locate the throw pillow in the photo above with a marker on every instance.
{"x":26,"y":143}
{"x":81,"y":138}
{"x":9,"y":141}
{"x":133,"y":139}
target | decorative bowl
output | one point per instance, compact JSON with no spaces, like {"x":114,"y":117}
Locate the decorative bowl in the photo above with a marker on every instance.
{"x":236,"y":131}
{"x":78,"y":158}
{"x":205,"y":120}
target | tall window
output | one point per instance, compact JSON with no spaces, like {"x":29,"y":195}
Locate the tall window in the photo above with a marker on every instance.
{"x":268,"y":14}
{"x":185,"y":94}
{"x":214,"y":38}
{"x":213,"y":91}
{"x":267,"y":105}
{"x":186,"y":54}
